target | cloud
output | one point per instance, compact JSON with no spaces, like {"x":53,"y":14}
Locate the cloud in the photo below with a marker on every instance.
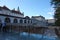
{"x":51,"y":8}
{"x":50,"y":17}
{"x":50,"y":13}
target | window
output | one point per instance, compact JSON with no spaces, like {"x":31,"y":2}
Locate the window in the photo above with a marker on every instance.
{"x":21,"y":21}
{"x":24,"y":21}
{"x":28,"y":21}
{"x":0,"y":21}
{"x":7,"y":20}
{"x":0,"y":9}
{"x":15,"y":21}
{"x":31,"y":21}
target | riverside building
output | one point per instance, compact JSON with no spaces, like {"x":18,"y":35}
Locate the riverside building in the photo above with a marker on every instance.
{"x":15,"y":17}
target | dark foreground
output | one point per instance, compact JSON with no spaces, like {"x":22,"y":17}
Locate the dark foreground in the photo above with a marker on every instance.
{"x":24,"y":36}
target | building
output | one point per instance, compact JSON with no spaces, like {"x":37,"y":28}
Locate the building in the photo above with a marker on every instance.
{"x":12,"y":16}
{"x":15,"y":17}
{"x":51,"y":22}
{"x":39,"y":21}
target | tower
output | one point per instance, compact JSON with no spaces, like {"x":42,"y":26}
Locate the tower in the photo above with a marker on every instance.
{"x":18,"y":9}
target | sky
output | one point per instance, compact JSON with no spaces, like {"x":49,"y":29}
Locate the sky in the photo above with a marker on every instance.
{"x":31,"y":7}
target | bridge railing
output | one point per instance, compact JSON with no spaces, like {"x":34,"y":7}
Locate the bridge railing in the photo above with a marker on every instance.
{"x":24,"y":24}
{"x":18,"y":24}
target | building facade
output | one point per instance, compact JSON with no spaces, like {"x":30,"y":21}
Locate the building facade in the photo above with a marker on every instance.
{"x":51,"y":22}
{"x":39,"y":21}
{"x":16,"y":17}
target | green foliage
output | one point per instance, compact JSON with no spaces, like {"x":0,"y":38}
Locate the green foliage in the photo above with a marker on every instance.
{"x":57,"y":23}
{"x":57,"y":11}
{"x":55,"y":2}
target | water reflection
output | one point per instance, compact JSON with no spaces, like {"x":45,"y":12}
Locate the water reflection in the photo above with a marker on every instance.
{"x":25,"y":36}
{"x":37,"y":36}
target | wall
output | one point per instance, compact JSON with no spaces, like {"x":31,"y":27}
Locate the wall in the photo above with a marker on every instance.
{"x":8,"y":12}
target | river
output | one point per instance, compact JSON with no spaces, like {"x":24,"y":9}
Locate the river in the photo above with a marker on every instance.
{"x":25,"y":36}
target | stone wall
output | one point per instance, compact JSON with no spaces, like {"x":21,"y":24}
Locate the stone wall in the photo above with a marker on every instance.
{"x":29,"y":29}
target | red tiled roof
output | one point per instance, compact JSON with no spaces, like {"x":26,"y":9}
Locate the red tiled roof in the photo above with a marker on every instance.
{"x":14,"y":11}
{"x":4,"y":7}
{"x":27,"y":17}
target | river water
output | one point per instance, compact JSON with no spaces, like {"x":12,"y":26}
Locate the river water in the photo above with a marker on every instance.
{"x":25,"y":36}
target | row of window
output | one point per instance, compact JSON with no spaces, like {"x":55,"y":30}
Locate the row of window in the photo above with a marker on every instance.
{"x":7,"y":20}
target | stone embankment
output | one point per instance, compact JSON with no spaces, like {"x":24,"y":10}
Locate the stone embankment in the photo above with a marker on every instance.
{"x":32,"y":29}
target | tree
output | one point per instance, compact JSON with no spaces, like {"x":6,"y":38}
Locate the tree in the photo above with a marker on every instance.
{"x":56,"y":4}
